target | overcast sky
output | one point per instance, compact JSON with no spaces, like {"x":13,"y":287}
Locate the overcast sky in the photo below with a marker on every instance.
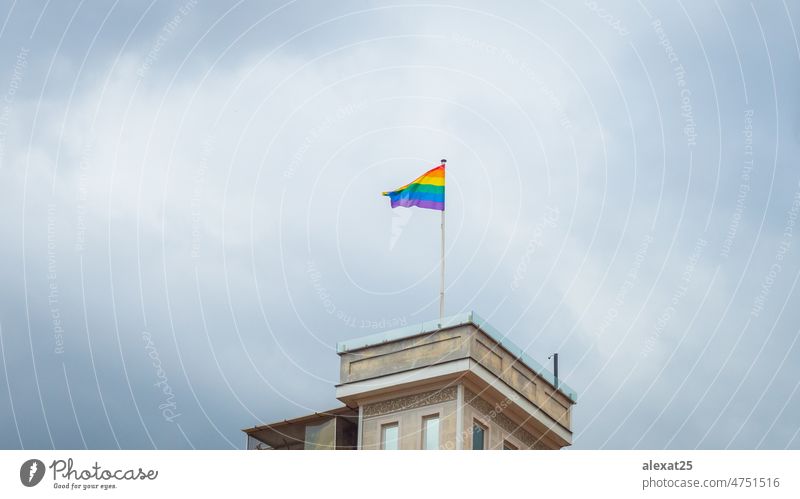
{"x":192,"y":214}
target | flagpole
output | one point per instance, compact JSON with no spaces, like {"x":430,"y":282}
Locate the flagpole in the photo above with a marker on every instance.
{"x":441,"y":288}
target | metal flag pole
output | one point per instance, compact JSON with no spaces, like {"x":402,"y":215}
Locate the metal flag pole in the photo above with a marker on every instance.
{"x":441,"y":288}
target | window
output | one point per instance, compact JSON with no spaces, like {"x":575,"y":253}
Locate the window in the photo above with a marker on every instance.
{"x":321,"y":436}
{"x":509,"y":446}
{"x":430,"y":432}
{"x":478,"y":436}
{"x":389,"y":433}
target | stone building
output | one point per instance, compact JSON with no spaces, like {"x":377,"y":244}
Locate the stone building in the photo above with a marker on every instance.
{"x":450,"y":384}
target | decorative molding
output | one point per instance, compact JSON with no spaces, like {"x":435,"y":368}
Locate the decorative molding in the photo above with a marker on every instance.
{"x":495,"y":414}
{"x":410,"y":402}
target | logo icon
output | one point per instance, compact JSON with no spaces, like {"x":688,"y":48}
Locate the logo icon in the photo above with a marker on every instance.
{"x":31,"y":472}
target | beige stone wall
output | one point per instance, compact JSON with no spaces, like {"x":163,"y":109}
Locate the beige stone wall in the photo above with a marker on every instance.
{"x":451,"y":344}
{"x":521,"y":426}
{"x":409,"y":411}
{"x":522,"y":378}
{"x":405,"y":354}
{"x":499,"y":426}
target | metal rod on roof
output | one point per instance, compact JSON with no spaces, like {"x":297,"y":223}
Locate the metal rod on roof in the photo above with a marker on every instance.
{"x":555,"y":368}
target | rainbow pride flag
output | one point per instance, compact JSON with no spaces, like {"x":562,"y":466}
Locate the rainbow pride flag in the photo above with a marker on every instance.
{"x":427,"y":191}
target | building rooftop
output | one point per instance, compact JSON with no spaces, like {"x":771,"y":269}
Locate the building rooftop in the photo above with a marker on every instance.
{"x":451,"y":322}
{"x":458,"y":374}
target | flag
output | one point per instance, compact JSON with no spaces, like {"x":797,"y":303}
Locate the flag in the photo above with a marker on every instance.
{"x":427,"y":191}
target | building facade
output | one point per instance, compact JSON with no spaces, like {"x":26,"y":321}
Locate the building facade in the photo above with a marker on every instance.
{"x":450,"y":384}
